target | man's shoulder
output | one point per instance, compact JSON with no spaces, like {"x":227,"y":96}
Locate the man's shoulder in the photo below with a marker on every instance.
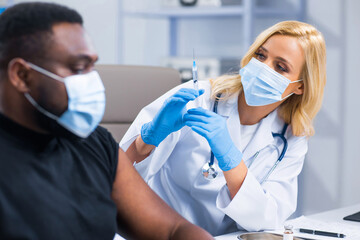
{"x":102,"y":134}
{"x":99,"y":140}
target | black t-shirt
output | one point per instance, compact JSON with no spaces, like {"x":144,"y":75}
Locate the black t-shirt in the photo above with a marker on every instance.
{"x":56,"y":188}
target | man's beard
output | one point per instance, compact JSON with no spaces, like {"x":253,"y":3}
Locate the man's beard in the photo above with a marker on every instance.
{"x":55,"y":129}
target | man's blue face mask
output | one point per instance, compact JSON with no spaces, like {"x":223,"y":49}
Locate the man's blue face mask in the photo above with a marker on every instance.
{"x":86,"y":102}
{"x":263,"y":85}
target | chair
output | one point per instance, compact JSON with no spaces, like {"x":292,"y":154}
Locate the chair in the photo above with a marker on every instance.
{"x":129,"y":89}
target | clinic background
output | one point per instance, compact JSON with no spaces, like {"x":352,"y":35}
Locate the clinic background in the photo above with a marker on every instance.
{"x":123,"y":34}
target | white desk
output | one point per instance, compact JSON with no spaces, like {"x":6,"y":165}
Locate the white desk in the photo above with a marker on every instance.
{"x":329,"y":216}
{"x":337,"y":215}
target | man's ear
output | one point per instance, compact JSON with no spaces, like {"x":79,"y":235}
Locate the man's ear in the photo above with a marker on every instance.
{"x":18,"y":71}
{"x":299,"y":90}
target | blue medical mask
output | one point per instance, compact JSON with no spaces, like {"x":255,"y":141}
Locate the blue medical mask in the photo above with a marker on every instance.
{"x":86,"y":102}
{"x":263,"y":85}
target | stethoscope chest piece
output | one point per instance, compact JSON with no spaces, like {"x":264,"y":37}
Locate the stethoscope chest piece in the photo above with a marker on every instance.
{"x":209,"y":171}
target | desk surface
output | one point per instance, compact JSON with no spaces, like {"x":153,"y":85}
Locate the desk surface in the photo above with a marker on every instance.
{"x":335,"y":215}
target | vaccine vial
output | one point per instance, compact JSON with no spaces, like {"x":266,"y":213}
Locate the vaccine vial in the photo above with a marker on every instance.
{"x":288,"y":233}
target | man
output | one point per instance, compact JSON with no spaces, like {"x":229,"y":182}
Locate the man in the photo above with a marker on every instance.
{"x":62,"y":176}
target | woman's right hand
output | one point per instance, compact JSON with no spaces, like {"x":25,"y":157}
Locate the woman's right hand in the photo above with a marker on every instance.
{"x":170,"y":116}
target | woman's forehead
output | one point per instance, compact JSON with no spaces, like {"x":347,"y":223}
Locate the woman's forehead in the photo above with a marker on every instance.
{"x":286,"y":47}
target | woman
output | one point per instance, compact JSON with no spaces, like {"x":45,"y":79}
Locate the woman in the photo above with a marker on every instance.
{"x":276,"y":95}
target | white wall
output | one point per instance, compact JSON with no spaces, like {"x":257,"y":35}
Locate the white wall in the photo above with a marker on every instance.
{"x":351,"y":171}
{"x":101,"y":20}
{"x":331,"y":177}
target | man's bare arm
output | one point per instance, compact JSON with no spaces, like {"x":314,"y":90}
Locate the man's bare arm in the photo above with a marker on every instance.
{"x":139,"y":150}
{"x":142,"y":214}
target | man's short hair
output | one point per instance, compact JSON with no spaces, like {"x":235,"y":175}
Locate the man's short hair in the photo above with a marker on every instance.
{"x":26,"y":30}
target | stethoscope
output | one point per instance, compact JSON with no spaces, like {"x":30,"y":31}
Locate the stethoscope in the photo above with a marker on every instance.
{"x":210,"y":172}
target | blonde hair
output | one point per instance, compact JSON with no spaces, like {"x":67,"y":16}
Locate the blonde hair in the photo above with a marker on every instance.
{"x":297,"y":110}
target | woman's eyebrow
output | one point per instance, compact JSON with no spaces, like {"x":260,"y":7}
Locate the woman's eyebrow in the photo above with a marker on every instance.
{"x":264,"y":49}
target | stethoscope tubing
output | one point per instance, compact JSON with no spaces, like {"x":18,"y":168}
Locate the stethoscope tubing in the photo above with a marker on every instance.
{"x":215,"y":111}
{"x":282,"y":154}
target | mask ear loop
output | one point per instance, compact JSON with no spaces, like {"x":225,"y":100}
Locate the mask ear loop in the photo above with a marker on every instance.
{"x":292,"y":92}
{"x":38,"y":107}
{"x":32,"y":101}
{"x":45,"y":72}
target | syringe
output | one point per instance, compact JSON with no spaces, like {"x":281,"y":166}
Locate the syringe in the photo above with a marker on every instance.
{"x":195,"y":73}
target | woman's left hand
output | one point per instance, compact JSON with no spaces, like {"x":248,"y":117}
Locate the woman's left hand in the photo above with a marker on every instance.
{"x":214,"y":129}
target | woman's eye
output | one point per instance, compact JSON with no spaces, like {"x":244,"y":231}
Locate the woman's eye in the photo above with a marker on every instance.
{"x":281,"y":68}
{"x":260,"y":56}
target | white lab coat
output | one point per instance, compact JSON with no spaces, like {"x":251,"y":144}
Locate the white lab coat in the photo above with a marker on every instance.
{"x":173,"y":171}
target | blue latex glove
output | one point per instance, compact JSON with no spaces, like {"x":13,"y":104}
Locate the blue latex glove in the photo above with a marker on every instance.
{"x":170,"y":116}
{"x":213,"y":127}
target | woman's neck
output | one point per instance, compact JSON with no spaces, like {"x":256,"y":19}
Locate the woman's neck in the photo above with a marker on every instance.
{"x":250,"y":115}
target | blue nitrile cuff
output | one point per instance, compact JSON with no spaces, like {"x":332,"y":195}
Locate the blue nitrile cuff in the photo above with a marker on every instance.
{"x":230,"y":160}
{"x":152,"y":137}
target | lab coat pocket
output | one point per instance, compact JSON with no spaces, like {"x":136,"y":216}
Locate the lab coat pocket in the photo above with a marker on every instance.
{"x":205,"y":192}
{"x":204,"y":189}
